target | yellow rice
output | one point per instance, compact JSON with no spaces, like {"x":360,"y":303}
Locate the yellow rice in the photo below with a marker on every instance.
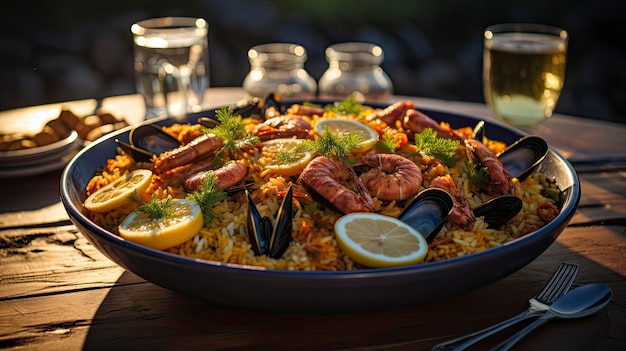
{"x":314,"y":246}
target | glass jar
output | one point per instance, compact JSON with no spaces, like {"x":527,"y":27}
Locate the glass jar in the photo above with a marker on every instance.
{"x":279,"y":68}
{"x":354,"y":68}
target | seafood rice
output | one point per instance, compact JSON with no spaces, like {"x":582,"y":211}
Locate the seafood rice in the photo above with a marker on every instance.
{"x":313,"y":246}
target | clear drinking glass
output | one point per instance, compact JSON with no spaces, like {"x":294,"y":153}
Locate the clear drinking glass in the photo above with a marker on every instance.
{"x":523,"y":71}
{"x":171,"y":64}
{"x":279,"y":68}
{"x":354,"y":69}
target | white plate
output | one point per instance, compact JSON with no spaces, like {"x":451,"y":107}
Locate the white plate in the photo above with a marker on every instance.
{"x":37,"y":155}
{"x":39,"y":168}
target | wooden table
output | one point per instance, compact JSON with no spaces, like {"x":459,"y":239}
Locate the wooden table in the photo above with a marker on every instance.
{"x":57,"y":292}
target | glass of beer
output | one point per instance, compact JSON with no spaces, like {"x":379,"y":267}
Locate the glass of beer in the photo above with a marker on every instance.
{"x":523,"y":71}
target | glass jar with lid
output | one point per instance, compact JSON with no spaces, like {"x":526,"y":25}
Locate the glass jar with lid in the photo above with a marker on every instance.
{"x":354,"y":69}
{"x":279,"y":68}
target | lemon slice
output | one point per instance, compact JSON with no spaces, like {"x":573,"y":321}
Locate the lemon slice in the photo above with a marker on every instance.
{"x":162,"y":233}
{"x":293,"y":165}
{"x":342,"y":126}
{"x":375,"y":240}
{"x":118,"y":192}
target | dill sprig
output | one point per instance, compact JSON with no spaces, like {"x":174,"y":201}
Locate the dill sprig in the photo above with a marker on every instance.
{"x":334,"y":145}
{"x":443,"y":149}
{"x":347,"y":107}
{"x":477,"y":175}
{"x":232,"y":130}
{"x":389,"y":143}
{"x":284,"y":155}
{"x":207,"y":196}
{"x":157,"y":208}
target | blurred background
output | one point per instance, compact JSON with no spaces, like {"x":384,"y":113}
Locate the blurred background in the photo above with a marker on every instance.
{"x":54,"y":51}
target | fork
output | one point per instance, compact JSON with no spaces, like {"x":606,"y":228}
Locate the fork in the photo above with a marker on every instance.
{"x":559,"y":284}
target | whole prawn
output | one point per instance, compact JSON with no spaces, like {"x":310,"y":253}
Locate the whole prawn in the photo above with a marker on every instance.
{"x":500,"y":182}
{"x":412,"y":120}
{"x":462,"y":214}
{"x":199,"y":148}
{"x":326,"y":177}
{"x":392,"y":177}
{"x":228,"y":175}
{"x":283,"y":127}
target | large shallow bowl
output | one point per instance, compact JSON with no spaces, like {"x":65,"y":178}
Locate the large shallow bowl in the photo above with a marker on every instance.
{"x":318,"y":292}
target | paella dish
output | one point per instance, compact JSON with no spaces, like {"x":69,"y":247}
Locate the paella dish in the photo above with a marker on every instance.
{"x":341,"y":186}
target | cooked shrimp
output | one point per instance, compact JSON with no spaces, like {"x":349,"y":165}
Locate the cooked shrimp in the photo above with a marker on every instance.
{"x":326,"y":177}
{"x":304,"y":110}
{"x":500,"y":182}
{"x":199,"y":148}
{"x":462,"y":214}
{"x":283,"y":127}
{"x":392,"y":113}
{"x":392,"y":177}
{"x":412,"y":120}
{"x":228,"y":175}
{"x":416,"y":122}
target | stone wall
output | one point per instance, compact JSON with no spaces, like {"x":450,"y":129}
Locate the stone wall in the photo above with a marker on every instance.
{"x":64,"y":50}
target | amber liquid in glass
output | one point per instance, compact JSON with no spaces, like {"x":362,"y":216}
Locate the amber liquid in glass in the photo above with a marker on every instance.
{"x":523,"y":76}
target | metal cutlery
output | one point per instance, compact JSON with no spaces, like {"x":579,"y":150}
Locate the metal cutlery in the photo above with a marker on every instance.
{"x":559,"y":284}
{"x":578,"y":302}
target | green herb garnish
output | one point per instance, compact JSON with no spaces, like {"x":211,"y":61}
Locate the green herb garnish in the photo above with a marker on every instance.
{"x":332,"y":145}
{"x":443,"y":149}
{"x":347,"y":107}
{"x":551,"y":193}
{"x":157,"y":208}
{"x":207,"y":196}
{"x":477,"y":174}
{"x":232,"y":130}
{"x":389,"y":144}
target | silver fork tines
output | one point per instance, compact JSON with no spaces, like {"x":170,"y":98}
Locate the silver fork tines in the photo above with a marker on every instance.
{"x":559,"y":284}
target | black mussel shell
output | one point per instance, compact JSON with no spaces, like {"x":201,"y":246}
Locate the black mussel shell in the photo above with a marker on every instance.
{"x":499,"y":210}
{"x":479,"y":131}
{"x":428,"y":212}
{"x":281,"y":235}
{"x":273,"y":106}
{"x":259,"y":228}
{"x":523,"y":157}
{"x":152,"y":139}
{"x":136,"y":153}
{"x":244,"y":184}
{"x":248,"y":107}
{"x":208,"y":122}
{"x":266,"y":238}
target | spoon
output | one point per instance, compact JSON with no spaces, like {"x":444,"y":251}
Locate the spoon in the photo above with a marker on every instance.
{"x":579,"y":302}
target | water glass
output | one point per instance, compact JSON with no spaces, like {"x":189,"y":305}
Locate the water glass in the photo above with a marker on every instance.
{"x":279,"y":68}
{"x":354,"y":69}
{"x":171,"y":64}
{"x":523,"y":71}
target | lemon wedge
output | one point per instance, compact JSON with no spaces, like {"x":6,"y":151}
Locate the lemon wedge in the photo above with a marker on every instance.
{"x":291,"y":166}
{"x":376,"y":240}
{"x":162,"y":233}
{"x":343,"y":126}
{"x":117,"y":193}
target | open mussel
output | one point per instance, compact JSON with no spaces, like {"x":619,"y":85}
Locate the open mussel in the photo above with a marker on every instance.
{"x":152,"y":139}
{"x":524,"y":156}
{"x":147,"y":140}
{"x":136,"y":153}
{"x":268,"y":239}
{"x":499,"y":210}
{"x":428,"y":212}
